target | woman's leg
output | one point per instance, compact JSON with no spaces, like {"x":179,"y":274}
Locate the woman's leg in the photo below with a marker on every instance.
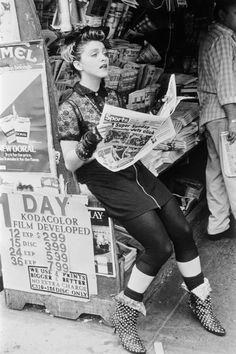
{"x":186,"y":252}
{"x":189,"y":265}
{"x":150,"y":232}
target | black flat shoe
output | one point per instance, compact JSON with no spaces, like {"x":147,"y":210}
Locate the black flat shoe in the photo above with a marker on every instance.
{"x":219,"y":236}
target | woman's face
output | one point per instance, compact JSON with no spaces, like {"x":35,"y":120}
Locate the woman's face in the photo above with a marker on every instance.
{"x":94,"y":60}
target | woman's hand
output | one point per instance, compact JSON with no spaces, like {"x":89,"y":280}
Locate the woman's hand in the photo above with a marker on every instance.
{"x":103,"y":129}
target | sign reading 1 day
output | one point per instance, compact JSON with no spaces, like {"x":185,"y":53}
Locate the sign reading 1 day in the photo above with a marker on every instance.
{"x":47,"y":244}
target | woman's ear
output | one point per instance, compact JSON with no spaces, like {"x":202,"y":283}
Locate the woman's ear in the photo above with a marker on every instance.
{"x":77,"y":65}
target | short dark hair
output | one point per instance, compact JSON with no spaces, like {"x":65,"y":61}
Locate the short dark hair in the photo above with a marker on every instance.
{"x":74,"y":41}
{"x":222,"y":5}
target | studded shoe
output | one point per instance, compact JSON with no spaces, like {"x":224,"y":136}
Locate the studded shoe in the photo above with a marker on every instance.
{"x":124,"y":320}
{"x":201,"y":306}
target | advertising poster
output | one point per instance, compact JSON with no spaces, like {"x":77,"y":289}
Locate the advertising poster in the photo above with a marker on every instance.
{"x":47,"y":245}
{"x":102,"y":239}
{"x":25,"y":125}
{"x":9,"y":29}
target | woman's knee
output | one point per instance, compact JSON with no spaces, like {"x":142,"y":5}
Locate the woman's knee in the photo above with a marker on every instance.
{"x":153,"y":258}
{"x":175,"y":222}
{"x":182,"y":233}
{"x":186,"y":230}
{"x":162,"y":249}
{"x":167,"y":249}
{"x":184,"y":244}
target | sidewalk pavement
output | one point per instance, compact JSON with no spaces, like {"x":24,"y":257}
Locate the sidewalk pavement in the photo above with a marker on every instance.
{"x":168,"y":320}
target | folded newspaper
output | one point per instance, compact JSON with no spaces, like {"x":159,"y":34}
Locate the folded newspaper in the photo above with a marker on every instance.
{"x":229,"y":155}
{"x":134,"y":134}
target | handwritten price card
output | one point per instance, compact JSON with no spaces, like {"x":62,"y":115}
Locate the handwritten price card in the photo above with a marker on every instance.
{"x":47,"y":244}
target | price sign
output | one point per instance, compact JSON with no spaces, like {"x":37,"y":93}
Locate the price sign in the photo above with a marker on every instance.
{"x":47,"y":244}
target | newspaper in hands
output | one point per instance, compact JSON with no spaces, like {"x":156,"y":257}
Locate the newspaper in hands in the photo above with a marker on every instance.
{"x":134,"y":134}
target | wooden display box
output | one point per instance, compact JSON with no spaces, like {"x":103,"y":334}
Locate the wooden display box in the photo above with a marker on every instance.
{"x":101,"y":305}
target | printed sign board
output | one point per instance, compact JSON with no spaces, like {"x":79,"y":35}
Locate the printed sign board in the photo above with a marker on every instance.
{"x":47,"y":244}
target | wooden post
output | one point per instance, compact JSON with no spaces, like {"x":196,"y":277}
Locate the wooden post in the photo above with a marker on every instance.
{"x":29,"y":25}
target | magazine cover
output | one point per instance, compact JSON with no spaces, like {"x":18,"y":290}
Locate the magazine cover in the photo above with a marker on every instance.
{"x":103,"y":244}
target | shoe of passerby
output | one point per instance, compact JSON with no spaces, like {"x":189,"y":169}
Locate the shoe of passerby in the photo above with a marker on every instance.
{"x":201,"y":306}
{"x":219,"y":236}
{"x":124,"y":320}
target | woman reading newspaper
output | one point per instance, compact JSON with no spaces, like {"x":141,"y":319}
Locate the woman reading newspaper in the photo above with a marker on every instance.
{"x":133,"y":196}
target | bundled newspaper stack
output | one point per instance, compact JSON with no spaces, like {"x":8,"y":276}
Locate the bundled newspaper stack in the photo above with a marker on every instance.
{"x":127,"y":253}
{"x":188,"y":192}
{"x":185,"y":113}
{"x":184,"y":141}
{"x":185,"y":122}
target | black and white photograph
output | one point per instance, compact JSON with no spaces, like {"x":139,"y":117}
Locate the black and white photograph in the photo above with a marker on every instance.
{"x":117,"y":176}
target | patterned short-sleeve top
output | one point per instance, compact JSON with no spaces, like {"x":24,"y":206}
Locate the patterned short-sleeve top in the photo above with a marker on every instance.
{"x":81,"y":110}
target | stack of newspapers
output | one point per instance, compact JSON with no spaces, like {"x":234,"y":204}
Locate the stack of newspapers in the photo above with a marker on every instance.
{"x":127,"y":253}
{"x":127,"y":247}
{"x":186,"y":125}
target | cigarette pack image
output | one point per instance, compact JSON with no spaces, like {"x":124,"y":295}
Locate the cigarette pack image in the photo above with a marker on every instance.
{"x":7,"y":126}
{"x":22,"y":129}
